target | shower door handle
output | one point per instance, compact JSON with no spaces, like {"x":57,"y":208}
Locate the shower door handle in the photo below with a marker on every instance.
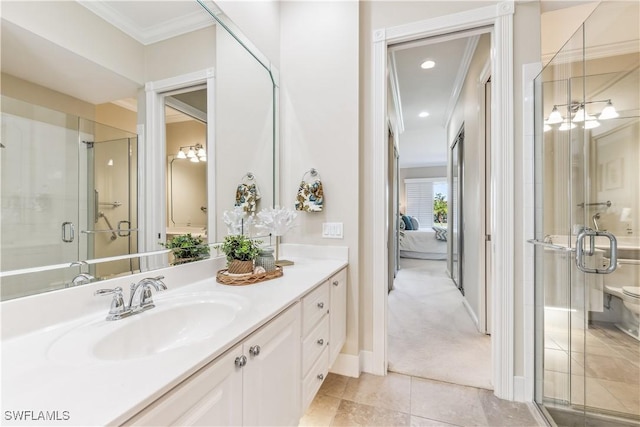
{"x":580,"y":253}
{"x":68,"y":226}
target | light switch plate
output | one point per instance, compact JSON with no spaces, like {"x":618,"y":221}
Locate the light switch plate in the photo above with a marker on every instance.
{"x":332,"y":230}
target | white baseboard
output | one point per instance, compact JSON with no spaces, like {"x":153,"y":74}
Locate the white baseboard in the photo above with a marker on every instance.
{"x":366,"y":361}
{"x":520,"y":389}
{"x":351,"y":365}
{"x":474,"y":318}
{"x":347,"y":365}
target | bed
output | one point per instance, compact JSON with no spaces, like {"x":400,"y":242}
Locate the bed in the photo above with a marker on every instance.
{"x":423,"y":244}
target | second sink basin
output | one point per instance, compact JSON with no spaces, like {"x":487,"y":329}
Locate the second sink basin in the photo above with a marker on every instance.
{"x":172,"y":324}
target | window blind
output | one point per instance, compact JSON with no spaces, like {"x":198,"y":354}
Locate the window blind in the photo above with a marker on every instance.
{"x":420,"y":202}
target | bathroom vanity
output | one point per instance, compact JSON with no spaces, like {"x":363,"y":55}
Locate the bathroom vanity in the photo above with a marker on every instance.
{"x":207,"y":354}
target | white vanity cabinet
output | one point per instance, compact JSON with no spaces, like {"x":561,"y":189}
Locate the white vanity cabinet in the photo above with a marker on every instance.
{"x":324,"y":330}
{"x":255,"y":383}
{"x":338,"y":314}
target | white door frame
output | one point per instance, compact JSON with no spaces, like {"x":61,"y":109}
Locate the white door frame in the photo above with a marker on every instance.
{"x":153,"y":161}
{"x":500,"y":17}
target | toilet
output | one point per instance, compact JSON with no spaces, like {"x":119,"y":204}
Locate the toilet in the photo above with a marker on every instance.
{"x":624,"y":283}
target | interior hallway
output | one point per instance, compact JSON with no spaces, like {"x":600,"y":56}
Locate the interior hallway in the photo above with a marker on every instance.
{"x":431,"y":334}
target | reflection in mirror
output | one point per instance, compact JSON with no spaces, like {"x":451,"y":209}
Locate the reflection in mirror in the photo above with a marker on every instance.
{"x":103,"y":85}
{"x":186,"y":135}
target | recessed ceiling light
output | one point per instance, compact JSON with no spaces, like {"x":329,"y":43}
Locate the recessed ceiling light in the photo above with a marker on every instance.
{"x":427,"y":64}
{"x":423,"y":114}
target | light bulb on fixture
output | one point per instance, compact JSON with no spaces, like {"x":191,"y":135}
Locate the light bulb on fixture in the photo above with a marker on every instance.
{"x":427,"y":64}
{"x":590,"y":124}
{"x":203,"y":158}
{"x":191,"y":154}
{"x":608,"y":112}
{"x":582,"y":115}
{"x":566,"y":125}
{"x":194,"y":159}
{"x":555,"y":117}
{"x":423,"y":114}
{"x":181,"y":155}
{"x":546,"y":128}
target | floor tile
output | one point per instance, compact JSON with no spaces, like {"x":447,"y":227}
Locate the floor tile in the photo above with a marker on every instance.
{"x":447,"y":403}
{"x":504,"y":413}
{"x":425,"y":422}
{"x":357,"y":414}
{"x":390,"y":392}
{"x":627,"y":394}
{"x":321,"y":411}
{"x":334,"y":385}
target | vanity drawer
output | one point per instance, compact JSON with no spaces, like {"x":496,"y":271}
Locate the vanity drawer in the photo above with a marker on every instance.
{"x":314,"y":307}
{"x":314,"y":343}
{"x":314,"y":379}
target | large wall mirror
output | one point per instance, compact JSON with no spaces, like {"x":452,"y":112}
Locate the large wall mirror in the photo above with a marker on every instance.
{"x":74,"y":155}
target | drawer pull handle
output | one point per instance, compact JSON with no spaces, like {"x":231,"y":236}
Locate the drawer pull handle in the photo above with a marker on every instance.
{"x":254,"y":350}
{"x":241,"y":361}
{"x":320,"y":376}
{"x":320,"y":305}
{"x":336,"y":283}
{"x":320,"y":341}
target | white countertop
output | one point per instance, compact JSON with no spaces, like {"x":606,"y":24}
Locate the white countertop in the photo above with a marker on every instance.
{"x":101,"y":392}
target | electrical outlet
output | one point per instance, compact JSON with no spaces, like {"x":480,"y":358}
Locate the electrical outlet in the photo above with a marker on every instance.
{"x":332,"y":230}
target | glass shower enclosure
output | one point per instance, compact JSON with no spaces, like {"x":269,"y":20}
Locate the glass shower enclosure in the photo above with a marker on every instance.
{"x":69,"y":194}
{"x":587,"y":200}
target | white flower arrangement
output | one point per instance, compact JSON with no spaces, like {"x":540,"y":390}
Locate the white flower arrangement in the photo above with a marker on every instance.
{"x":277,"y":221}
{"x":237,"y":220}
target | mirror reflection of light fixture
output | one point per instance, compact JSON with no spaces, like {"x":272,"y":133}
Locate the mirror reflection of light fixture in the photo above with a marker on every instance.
{"x":608,"y":112}
{"x":581,"y":115}
{"x":566,"y":125}
{"x":195,"y":153}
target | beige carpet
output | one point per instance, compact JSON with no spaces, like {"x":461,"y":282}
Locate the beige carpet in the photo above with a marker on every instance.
{"x":431,"y":334}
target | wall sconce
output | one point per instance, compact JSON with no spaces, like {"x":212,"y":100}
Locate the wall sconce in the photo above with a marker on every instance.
{"x":580,"y":115}
{"x":195,"y":153}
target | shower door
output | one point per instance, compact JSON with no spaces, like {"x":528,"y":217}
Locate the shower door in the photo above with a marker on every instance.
{"x":586,"y":176}
{"x":111,"y":191}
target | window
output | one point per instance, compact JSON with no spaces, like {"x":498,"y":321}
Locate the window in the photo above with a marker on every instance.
{"x":421,"y":193}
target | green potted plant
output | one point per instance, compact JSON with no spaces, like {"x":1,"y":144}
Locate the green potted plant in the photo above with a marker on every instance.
{"x":240,"y":251}
{"x":187,"y":248}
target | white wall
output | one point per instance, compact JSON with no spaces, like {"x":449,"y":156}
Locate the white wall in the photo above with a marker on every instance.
{"x":319,"y":126}
{"x":243,"y":126}
{"x":467,"y":111}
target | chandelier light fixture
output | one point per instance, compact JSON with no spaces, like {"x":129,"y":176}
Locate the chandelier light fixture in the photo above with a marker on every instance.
{"x":195,"y":153}
{"x":578,"y":114}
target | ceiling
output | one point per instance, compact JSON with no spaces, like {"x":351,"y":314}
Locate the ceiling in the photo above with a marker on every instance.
{"x":423,"y":142}
{"x":151,"y":21}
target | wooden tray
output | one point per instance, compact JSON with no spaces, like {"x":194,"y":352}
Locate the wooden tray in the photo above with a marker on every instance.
{"x":225,"y":278}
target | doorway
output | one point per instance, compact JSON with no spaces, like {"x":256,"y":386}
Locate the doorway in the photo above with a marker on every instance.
{"x":500,"y":23}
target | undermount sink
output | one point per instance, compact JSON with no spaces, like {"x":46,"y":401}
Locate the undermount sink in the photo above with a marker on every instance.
{"x":172,"y":324}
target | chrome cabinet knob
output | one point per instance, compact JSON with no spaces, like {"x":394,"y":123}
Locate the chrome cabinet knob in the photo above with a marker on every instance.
{"x":241,"y":361}
{"x":254,"y":350}
{"x":320,"y":305}
{"x":320,"y":376}
{"x":320,"y":341}
{"x":336,"y":283}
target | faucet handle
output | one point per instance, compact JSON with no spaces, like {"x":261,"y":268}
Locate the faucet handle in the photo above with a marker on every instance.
{"x":118,"y":308}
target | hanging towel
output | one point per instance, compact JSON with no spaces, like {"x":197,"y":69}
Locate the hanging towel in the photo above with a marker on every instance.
{"x":247,"y":194}
{"x":310,"y":196}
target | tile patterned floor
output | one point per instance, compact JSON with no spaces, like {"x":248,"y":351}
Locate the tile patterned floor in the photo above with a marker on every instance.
{"x":602,"y":372}
{"x":402,"y":400}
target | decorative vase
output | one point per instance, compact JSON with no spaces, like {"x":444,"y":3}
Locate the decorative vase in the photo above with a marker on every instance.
{"x":266,"y":260}
{"x":240,"y":267}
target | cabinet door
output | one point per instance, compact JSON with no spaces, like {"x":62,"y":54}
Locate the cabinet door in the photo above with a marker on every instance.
{"x":338,"y":314}
{"x":211,"y":397}
{"x":271,"y":377}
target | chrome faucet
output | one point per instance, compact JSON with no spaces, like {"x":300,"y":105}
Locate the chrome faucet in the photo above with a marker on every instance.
{"x":82,"y":279}
{"x":140,"y":294}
